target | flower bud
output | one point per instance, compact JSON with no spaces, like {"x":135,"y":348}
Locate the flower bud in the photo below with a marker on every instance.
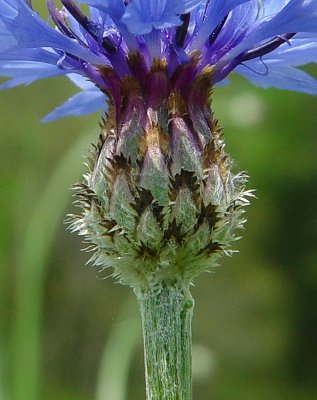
{"x":159,"y":202}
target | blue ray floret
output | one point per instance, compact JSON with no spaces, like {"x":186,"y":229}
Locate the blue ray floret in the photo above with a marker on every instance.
{"x":264,"y":41}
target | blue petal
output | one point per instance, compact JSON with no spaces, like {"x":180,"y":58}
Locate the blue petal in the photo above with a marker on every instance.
{"x":81,"y":82}
{"x":7,"y":39}
{"x":141,"y":16}
{"x":277,"y":69}
{"x":28,"y":65}
{"x":279,"y":76}
{"x":29,"y":31}
{"x":301,"y":50}
{"x":25,"y":72}
{"x":114,"y":8}
{"x":84,"y":102}
{"x":216,"y":11}
{"x":39,"y":55}
{"x":271,"y":7}
{"x":296,"y":16}
{"x":237,"y":22}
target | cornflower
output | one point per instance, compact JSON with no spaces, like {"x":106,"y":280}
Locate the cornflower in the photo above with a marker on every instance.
{"x":159,"y":202}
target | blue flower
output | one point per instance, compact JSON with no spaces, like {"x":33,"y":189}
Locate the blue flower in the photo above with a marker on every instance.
{"x":264,"y":41}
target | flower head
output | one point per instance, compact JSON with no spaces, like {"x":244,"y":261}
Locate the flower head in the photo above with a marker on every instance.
{"x":159,"y":202}
{"x":263,"y":40}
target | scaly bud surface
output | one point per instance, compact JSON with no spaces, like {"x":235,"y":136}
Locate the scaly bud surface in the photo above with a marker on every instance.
{"x":160,"y":203}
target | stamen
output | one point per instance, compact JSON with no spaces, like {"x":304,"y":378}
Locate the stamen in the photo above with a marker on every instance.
{"x":268,"y":47}
{"x":88,"y":25}
{"x":217,"y":30}
{"x":181,"y":31}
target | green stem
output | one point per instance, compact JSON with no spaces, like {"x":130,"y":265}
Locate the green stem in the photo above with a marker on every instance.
{"x":166,"y":319}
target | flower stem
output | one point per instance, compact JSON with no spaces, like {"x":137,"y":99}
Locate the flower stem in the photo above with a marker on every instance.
{"x":166,"y":319}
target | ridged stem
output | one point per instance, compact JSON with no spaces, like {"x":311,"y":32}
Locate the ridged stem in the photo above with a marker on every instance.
{"x":166,"y":320}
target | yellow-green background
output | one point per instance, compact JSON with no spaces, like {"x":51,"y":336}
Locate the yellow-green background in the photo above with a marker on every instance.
{"x":67,"y":333}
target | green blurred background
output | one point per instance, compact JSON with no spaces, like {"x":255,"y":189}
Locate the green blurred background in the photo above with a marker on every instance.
{"x":68,"y":333}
